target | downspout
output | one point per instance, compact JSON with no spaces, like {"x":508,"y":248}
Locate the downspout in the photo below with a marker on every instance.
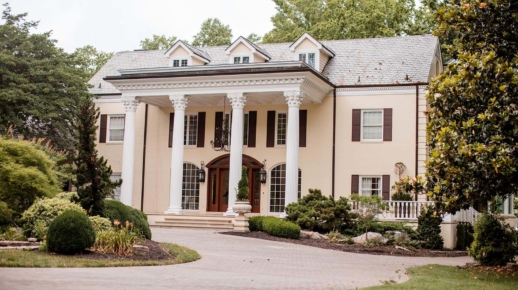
{"x":144,"y":161}
{"x":416,"y":128}
{"x":334,"y":140}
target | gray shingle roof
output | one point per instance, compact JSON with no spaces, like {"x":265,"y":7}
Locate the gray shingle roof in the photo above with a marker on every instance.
{"x":372,"y":61}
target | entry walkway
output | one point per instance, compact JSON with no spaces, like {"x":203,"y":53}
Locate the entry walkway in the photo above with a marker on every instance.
{"x":230,"y":262}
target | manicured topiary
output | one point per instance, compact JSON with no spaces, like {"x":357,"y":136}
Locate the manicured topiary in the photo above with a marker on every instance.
{"x":70,"y":233}
{"x":281,"y":228}
{"x":242,"y":185}
{"x":116,"y":210}
{"x":494,"y":241}
{"x":429,"y":228}
{"x":255,"y":223}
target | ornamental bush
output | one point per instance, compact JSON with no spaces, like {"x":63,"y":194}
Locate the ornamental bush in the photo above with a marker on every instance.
{"x":255,"y":223}
{"x":100,"y":224}
{"x":429,"y":228}
{"x":70,"y":233}
{"x":494,"y":241}
{"x":70,"y":196}
{"x":383,"y":227}
{"x":116,"y":210}
{"x":281,"y":228}
{"x":316,"y":212}
{"x":38,"y":217}
{"x":118,"y":240}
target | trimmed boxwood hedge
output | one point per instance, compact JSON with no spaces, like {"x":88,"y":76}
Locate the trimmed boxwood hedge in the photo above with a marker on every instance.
{"x":69,"y":233}
{"x":274,"y":226}
{"x":116,"y":210}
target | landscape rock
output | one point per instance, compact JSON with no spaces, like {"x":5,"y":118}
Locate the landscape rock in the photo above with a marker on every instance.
{"x":140,"y":250}
{"x":397,"y":234}
{"x":363,"y":238}
{"x":14,"y":243}
{"x":313,"y":235}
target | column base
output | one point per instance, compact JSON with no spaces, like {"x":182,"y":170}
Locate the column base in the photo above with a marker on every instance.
{"x":230,"y":212}
{"x":173,"y":210}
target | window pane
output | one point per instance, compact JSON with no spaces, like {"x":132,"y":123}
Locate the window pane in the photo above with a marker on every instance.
{"x":116,"y":191}
{"x":371,"y":186}
{"x":311,"y":59}
{"x":281,"y":128}
{"x":193,"y":129}
{"x":116,"y":128}
{"x":176,"y":62}
{"x":372,"y":125}
{"x":237,"y":59}
{"x":190,"y":187}
{"x":302,"y":57}
{"x":245,"y":130}
{"x":246,"y":59}
{"x":278,"y":188}
{"x":184,"y":62}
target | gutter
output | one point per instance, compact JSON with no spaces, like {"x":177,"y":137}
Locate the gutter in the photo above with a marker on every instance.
{"x":416,"y":128}
{"x":334,"y":147}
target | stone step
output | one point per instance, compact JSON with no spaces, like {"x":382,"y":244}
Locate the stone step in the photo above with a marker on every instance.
{"x":187,"y":217}
{"x":194,"y":226}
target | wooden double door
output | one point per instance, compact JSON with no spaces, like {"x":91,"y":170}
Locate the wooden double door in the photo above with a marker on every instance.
{"x":218,"y":183}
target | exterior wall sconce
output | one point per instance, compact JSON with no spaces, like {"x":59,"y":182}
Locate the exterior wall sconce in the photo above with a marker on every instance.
{"x":263,"y":173}
{"x":201,"y":173}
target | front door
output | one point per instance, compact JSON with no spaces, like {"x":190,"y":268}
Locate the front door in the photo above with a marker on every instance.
{"x":218,"y":189}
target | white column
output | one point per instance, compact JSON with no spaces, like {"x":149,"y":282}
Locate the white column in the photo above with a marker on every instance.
{"x":238,"y":101}
{"x":293,"y":98}
{"x":128,"y":149}
{"x":175,"y":190}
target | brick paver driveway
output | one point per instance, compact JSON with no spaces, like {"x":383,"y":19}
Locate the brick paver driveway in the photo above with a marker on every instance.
{"x":230,"y":262}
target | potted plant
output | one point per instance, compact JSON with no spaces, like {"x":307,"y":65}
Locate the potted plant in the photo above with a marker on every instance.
{"x":242,"y":206}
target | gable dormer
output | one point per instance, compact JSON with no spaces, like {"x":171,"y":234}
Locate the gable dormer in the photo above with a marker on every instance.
{"x":311,"y":51}
{"x":183,"y":54}
{"x":244,"y":51}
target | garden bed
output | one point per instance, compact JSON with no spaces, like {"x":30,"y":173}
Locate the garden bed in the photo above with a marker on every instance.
{"x":354,"y":248}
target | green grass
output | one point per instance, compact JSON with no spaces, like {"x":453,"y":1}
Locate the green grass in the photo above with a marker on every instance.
{"x":448,"y":277}
{"x":19,"y":258}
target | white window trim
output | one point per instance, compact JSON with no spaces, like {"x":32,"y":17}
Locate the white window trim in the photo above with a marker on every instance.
{"x":269,"y":182}
{"x":382,"y":125}
{"x":250,"y":57}
{"x":247,"y":128}
{"x":360,"y":189}
{"x":108,"y":131}
{"x":118,"y":187}
{"x":305,"y":51}
{"x":277,"y":127}
{"x":186,"y":137}
{"x":180,"y":60}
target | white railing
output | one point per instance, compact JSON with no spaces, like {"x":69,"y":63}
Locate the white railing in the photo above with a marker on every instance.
{"x":467,"y":216}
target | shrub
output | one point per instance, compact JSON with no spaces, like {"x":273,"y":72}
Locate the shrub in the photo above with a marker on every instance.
{"x":116,"y":210}
{"x":464,"y":236}
{"x":38,"y":217}
{"x":100,"y":224}
{"x":118,"y":240}
{"x":368,"y":208}
{"x":69,"y":233}
{"x":281,"y":228}
{"x":402,"y":196}
{"x":242,"y":191}
{"x":70,"y":196}
{"x":337,"y":237}
{"x":494,"y":241}
{"x":383,"y":227}
{"x":316,"y":212}
{"x":429,"y":228}
{"x":6,"y":214}
{"x":255,"y":223}
{"x":373,"y":242}
{"x":13,"y":234}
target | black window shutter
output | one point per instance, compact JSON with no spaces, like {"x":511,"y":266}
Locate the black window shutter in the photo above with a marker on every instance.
{"x":270,"y":129}
{"x":201,"y":130}
{"x":385,"y":191}
{"x":355,"y":184}
{"x":303,"y":124}
{"x":171,"y":127}
{"x":387,"y":124}
{"x":103,"y":129}
{"x":218,"y":130}
{"x":252,"y":126}
{"x":357,"y":123}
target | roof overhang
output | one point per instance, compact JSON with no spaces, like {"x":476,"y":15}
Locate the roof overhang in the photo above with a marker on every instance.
{"x":317,"y":43}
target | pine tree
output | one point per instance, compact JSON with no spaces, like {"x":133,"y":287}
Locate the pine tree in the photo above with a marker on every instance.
{"x":93,"y":181}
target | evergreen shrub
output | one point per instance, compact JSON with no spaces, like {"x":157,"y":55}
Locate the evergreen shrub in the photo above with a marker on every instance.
{"x":116,"y":210}
{"x":70,"y":233}
{"x":429,"y":228}
{"x":281,"y":228}
{"x":100,"y":224}
{"x":464,"y":236}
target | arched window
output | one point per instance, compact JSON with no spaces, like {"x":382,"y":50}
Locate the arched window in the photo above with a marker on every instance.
{"x":190,"y":187}
{"x":278,"y":187}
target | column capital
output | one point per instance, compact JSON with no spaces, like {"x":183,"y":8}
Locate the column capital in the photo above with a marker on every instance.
{"x":179,"y":101}
{"x":294,"y":98}
{"x":130,"y":103}
{"x":238,"y":100}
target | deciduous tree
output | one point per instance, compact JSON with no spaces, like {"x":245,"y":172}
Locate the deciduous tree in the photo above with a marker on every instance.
{"x":158,"y":42}
{"x":213,"y":33}
{"x":90,"y":59}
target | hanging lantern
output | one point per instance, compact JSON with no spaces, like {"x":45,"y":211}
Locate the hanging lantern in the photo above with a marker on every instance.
{"x":201,"y":173}
{"x":262,"y":173}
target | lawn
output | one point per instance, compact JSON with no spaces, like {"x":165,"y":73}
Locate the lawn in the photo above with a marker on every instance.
{"x":19,"y":258}
{"x":451,"y":277}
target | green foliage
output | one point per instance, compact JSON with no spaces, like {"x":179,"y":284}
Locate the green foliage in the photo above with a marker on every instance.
{"x":39,"y":216}
{"x":70,"y":196}
{"x":242,"y":185}
{"x":91,"y":60}
{"x":494,"y":241}
{"x":402,"y":196}
{"x":13,"y":234}
{"x":255,"y":223}
{"x":118,"y":241}
{"x":337,"y":237}
{"x":368,"y":208}
{"x":317,"y":212}
{"x":93,"y":181}
{"x":158,"y":42}
{"x":28,"y":170}
{"x":6,"y":214}
{"x":429,"y":228}
{"x":473,"y":123}
{"x":464,"y":236}
{"x":281,"y":228}
{"x":213,"y":33}
{"x":70,"y":233}
{"x":373,"y":242}
{"x":116,"y":210}
{"x":406,"y":187}
{"x":383,"y":227}
{"x":100,"y":224}
{"x":40,"y":84}
{"x":254,"y":38}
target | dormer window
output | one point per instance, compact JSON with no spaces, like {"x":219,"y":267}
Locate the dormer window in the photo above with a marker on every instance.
{"x":241,"y":59}
{"x":308,"y":57}
{"x":179,"y":62}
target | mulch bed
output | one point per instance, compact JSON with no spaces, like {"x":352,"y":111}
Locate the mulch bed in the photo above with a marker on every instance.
{"x":156,"y":253}
{"x":354,"y":248}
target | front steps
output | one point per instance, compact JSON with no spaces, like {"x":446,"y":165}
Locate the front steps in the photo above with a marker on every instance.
{"x":210,"y":221}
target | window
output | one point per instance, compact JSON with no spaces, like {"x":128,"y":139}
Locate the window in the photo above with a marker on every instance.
{"x":372,"y":125}
{"x":190,"y":130}
{"x":179,"y":62}
{"x":308,"y":58}
{"x":241,"y":59}
{"x":370,"y":185}
{"x":116,"y":191}
{"x":190,"y":187}
{"x":245,"y":129}
{"x":227,"y":124}
{"x":281,"y":128}
{"x":278,"y":187}
{"x":116,"y":128}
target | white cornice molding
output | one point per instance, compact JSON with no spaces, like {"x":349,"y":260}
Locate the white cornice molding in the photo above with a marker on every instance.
{"x":381,"y":90}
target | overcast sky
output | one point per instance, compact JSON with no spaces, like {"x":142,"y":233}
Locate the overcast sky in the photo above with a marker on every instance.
{"x":118,"y":25}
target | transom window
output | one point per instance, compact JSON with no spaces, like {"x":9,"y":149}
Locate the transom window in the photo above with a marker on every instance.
{"x":370,"y":185}
{"x":116,"y":128}
{"x":308,"y":58}
{"x":190,"y":129}
{"x":282,"y":119}
{"x":372,"y":125}
{"x":179,"y":62}
{"x":241,"y":59}
{"x":278,"y":187}
{"x":190,"y":187}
